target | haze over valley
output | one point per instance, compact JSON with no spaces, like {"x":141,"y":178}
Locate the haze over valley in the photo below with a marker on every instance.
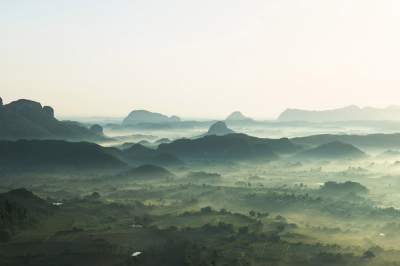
{"x":199,"y":133}
{"x":152,"y":183}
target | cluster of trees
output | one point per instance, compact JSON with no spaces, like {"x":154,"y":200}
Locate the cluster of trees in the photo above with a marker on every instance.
{"x":11,"y":217}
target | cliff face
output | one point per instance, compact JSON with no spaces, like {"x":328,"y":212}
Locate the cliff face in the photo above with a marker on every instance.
{"x":26,"y":119}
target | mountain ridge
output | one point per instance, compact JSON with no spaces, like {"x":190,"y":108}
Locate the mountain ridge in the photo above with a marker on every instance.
{"x":27,"y":119}
{"x":347,"y":113}
{"x":136,"y":117}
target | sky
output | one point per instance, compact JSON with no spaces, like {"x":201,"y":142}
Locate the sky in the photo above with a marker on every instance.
{"x":199,"y":58}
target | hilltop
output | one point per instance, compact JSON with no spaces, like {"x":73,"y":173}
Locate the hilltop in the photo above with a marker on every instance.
{"x":26,"y":119}
{"x":220,"y":129}
{"x":146,"y":117}
{"x":333,"y":150}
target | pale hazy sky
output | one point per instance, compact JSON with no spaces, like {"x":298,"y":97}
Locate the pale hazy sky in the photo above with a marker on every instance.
{"x":202,"y":58}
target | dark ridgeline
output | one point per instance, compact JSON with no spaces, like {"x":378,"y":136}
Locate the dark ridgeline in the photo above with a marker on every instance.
{"x":26,"y":119}
{"x":58,"y":155}
{"x":362,"y":141}
{"x":333,"y":150}
{"x":46,"y":155}
{"x":147,"y":172}
{"x":229,"y":147}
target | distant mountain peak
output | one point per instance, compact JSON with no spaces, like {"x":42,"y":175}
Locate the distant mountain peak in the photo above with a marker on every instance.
{"x":237,"y":116}
{"x":334,"y":150}
{"x":143,"y":116}
{"x":219,"y":128}
{"x":347,"y":113}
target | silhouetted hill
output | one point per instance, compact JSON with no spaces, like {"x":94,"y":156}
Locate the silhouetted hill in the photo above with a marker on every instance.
{"x":148,"y":172}
{"x":25,"y":119}
{"x":20,"y":209}
{"x":146,"y":117}
{"x":25,"y":198}
{"x":34,"y":155}
{"x":333,"y":150}
{"x":342,"y":114}
{"x":139,"y":154}
{"x":340,"y":189}
{"x":237,"y":117}
{"x":386,"y":141}
{"x":232,"y":146}
{"x":220,"y":129}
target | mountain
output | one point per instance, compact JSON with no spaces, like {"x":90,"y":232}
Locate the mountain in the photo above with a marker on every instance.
{"x":348,"y":113}
{"x":333,"y":150}
{"x":386,"y":141}
{"x":341,"y":189}
{"x":26,"y":119}
{"x":238,"y":117}
{"x":147,"y":172}
{"x":145,"y":117}
{"x":219,"y":129}
{"x":38,"y":155}
{"x":162,"y":140}
{"x":26,"y":199}
{"x":228,"y":147}
{"x":139,"y":154}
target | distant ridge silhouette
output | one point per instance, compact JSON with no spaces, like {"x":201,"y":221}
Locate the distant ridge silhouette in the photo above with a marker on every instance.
{"x":348,"y":113}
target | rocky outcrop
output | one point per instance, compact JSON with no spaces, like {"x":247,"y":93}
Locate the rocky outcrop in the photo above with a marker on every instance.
{"x":145,"y":117}
{"x":26,"y":119}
